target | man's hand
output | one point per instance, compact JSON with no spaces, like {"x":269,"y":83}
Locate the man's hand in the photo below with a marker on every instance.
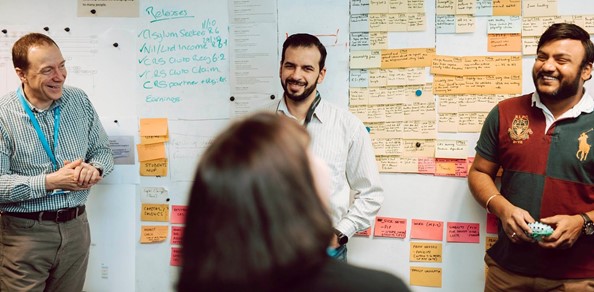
{"x":515,"y":224}
{"x":87,"y":175}
{"x":568,"y":229}
{"x":73,"y":176}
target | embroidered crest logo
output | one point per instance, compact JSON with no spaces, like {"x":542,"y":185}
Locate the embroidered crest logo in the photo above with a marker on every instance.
{"x":583,"y":146}
{"x":519,"y":130}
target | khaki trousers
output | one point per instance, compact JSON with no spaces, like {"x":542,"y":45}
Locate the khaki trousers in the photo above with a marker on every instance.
{"x":500,"y":279}
{"x":43,"y":255}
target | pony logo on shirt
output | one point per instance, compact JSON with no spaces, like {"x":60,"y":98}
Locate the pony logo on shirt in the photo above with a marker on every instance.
{"x":583,"y":146}
{"x":519,"y":130}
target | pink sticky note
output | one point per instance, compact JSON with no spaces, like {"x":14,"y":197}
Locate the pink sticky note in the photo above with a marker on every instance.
{"x":178,"y":214}
{"x":426,"y":165}
{"x":364,"y":233}
{"x":390,"y":227}
{"x":176,"y":259}
{"x":463,"y":232}
{"x":426,"y":229}
{"x":177,"y":233}
{"x":492,"y":224}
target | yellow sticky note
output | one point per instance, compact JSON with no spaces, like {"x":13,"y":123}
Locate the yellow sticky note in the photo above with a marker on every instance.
{"x":150,"y":234}
{"x":150,"y":151}
{"x":428,"y":277}
{"x":153,"y":127}
{"x":425,"y":252}
{"x":157,"y":167}
{"x":155,"y":212}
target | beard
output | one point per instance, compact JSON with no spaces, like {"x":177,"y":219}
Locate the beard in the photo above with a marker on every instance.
{"x":307,"y":91}
{"x":566,"y":89}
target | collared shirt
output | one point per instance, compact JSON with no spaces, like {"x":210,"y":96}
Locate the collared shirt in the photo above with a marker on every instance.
{"x":24,"y":163}
{"x":585,"y":105}
{"x":342,"y":141}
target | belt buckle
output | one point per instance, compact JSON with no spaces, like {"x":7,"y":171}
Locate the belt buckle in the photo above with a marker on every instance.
{"x":58,"y":213}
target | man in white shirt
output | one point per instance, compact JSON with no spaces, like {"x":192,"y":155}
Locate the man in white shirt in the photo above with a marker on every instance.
{"x":338,"y":137}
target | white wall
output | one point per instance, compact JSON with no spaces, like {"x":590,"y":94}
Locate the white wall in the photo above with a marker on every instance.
{"x":112,"y":78}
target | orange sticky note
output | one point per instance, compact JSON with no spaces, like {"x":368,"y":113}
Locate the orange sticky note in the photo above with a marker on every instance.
{"x":390,"y":227}
{"x":428,"y":277}
{"x":507,"y":8}
{"x":426,"y":229}
{"x":178,"y":214}
{"x":451,"y":167}
{"x":154,"y":212}
{"x":490,"y":241}
{"x":425,"y":252}
{"x":176,"y":259}
{"x":504,"y":42}
{"x":150,"y":151}
{"x":153,"y":139}
{"x":364,"y":233}
{"x":150,"y":234}
{"x":463,"y":232}
{"x":492,"y":224}
{"x":177,"y":234}
{"x":157,"y":167}
{"x":153,"y":127}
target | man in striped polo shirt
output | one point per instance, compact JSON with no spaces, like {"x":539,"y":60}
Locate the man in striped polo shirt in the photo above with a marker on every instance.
{"x":542,"y":141}
{"x":53,"y":149}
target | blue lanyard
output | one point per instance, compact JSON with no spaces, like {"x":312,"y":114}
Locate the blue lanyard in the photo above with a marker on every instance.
{"x":40,"y":134}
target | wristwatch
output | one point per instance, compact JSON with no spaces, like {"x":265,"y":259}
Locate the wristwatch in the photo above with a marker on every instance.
{"x":588,"y":228}
{"x":342,"y":239}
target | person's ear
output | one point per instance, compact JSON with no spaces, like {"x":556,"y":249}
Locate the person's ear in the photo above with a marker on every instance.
{"x":21,"y":74}
{"x":587,"y":72}
{"x":322,"y":75}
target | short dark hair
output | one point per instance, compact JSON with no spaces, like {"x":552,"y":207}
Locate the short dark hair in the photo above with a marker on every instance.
{"x":254,"y":215}
{"x":305,"y":40}
{"x":20,"y":49}
{"x":562,"y":31}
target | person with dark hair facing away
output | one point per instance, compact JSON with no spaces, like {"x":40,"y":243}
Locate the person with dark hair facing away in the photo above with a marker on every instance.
{"x":338,"y":137}
{"x":257,"y":216}
{"x":542,"y":141}
{"x":53,"y":149}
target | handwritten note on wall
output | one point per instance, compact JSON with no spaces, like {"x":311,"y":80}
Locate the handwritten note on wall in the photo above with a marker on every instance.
{"x":183,"y":57}
{"x":390,"y":227}
{"x":463,"y":232}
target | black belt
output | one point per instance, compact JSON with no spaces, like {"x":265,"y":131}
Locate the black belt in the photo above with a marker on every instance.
{"x":60,"y":216}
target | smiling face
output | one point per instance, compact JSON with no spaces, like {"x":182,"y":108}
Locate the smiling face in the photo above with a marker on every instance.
{"x":300,"y":73}
{"x":558,"y":72}
{"x":44,"y":79}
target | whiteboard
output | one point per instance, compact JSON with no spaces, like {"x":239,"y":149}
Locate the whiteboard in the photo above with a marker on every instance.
{"x":163,"y":69}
